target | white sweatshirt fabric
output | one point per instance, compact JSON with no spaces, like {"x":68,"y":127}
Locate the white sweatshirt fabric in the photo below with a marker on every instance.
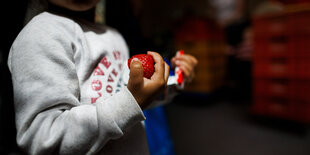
{"x":69,"y":93}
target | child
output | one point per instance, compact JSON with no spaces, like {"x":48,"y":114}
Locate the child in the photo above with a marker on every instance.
{"x":69,"y":93}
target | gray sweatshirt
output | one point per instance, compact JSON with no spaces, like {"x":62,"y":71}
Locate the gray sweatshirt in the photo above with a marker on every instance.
{"x":69,"y":91}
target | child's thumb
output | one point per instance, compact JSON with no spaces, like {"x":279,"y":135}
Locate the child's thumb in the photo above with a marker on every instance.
{"x":136,"y":73}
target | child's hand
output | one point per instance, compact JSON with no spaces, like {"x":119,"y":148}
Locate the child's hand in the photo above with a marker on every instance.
{"x":187,"y":64}
{"x":145,"y":90}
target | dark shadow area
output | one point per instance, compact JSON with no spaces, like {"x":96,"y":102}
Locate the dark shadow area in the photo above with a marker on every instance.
{"x":219,"y":126}
{"x":12,"y":15}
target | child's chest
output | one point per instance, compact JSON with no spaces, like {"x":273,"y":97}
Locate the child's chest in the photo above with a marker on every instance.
{"x":102,"y":61}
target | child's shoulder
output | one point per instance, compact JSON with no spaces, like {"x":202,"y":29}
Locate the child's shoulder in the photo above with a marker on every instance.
{"x":44,"y":29}
{"x":47,"y":25}
{"x":48,"y":21}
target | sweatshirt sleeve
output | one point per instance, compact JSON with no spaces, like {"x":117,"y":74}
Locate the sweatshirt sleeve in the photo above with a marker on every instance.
{"x":49,"y":116}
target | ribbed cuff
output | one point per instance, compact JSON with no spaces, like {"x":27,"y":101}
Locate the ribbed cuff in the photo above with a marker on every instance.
{"x":123,"y":109}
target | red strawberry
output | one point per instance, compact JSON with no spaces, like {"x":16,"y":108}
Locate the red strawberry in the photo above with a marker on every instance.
{"x":147,"y":64}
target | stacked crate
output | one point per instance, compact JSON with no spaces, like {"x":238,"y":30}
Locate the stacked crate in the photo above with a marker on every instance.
{"x":281,"y":65}
{"x":290,"y":2}
{"x":203,"y":39}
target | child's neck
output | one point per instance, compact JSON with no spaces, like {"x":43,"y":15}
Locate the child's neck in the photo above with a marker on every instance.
{"x":88,"y":15}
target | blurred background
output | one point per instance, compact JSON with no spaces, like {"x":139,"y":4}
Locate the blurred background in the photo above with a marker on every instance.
{"x":251,"y":93}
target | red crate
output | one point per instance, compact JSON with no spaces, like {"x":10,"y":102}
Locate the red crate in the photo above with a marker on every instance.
{"x":275,"y":107}
{"x":273,"y":88}
{"x":270,"y":25}
{"x":281,"y":64}
{"x":272,"y":48}
{"x":273,"y":68}
{"x":282,"y":108}
{"x":293,"y":1}
{"x":299,"y":23}
{"x":301,"y":90}
{"x":301,"y":111}
{"x":300,"y":46}
{"x":302,"y":68}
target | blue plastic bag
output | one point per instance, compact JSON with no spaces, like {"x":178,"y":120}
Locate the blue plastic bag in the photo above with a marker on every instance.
{"x":158,"y":132}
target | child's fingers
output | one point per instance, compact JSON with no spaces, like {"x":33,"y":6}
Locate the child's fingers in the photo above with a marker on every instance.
{"x":167,"y":69}
{"x":136,"y":73}
{"x":187,"y":69}
{"x":159,"y":65}
{"x":188,"y":58}
{"x":188,"y":74}
{"x":173,"y":61}
{"x":193,"y":59}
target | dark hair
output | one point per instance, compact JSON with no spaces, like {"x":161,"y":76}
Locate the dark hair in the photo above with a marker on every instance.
{"x":34,"y":8}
